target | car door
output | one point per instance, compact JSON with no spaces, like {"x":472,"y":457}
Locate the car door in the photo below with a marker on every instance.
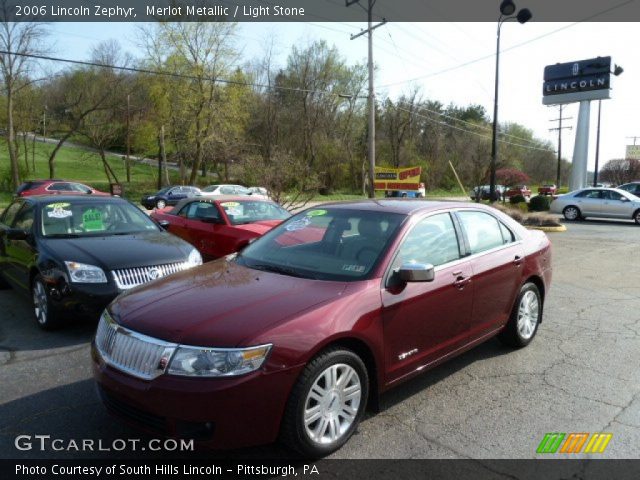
{"x":6,"y":220}
{"x":616,"y":205}
{"x":207,"y":230}
{"x":424,"y":321}
{"x":496,"y":259}
{"x":178,"y":223}
{"x":589,"y":202}
{"x":21,"y":253}
{"x":175,"y":195}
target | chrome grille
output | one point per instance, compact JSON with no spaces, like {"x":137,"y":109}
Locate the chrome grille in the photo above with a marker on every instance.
{"x":136,"y":354}
{"x":127,"y":278}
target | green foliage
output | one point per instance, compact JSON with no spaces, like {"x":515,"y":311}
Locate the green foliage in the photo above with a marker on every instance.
{"x":540,"y":203}
{"x":514,"y":199}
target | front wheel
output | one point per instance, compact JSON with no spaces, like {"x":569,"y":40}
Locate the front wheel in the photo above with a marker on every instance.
{"x":571,"y":213}
{"x":160,"y":204}
{"x":525,"y":317}
{"x":327,"y":403}
{"x":47,"y":316}
{"x":636,"y":217}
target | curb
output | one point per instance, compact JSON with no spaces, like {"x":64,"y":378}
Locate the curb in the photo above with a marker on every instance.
{"x":561,"y":228}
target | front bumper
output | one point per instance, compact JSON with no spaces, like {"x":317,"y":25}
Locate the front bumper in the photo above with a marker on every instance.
{"x":221,"y":413}
{"x":84,"y":299}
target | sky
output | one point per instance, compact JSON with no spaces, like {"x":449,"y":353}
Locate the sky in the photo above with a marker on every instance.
{"x":450,"y":62}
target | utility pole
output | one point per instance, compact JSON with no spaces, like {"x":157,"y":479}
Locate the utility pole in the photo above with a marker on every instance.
{"x":634,"y":139}
{"x":559,"y":128}
{"x":372,"y":96}
{"x":595,"y":173}
{"x":128,"y":161}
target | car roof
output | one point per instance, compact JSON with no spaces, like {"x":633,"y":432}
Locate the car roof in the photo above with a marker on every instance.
{"x":40,"y":199}
{"x":218,"y":199}
{"x":405,"y":206}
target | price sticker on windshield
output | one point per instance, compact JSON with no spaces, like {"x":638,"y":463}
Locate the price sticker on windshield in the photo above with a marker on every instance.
{"x":58,"y":210}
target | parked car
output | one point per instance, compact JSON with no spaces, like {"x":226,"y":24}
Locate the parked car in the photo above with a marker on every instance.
{"x":482,"y":192}
{"x":168,"y":196}
{"x":260,"y":192}
{"x":291,"y":340}
{"x":518,"y":190}
{"x":597,"y":202}
{"x":55,"y":187}
{"x":224,"y":190}
{"x":633,"y":187}
{"x":548,"y":189}
{"x":74,"y":254}
{"x":221,"y":225}
{"x":420,"y":193}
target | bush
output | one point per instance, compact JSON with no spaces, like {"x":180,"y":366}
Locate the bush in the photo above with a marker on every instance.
{"x":515,"y":199}
{"x":540,"y":203}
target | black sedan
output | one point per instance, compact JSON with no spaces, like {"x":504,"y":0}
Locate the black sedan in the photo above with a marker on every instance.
{"x":169,"y":196}
{"x":76,"y":254}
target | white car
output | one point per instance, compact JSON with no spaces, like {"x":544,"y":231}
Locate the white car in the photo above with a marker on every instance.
{"x":597,"y":202}
{"x":221,"y":189}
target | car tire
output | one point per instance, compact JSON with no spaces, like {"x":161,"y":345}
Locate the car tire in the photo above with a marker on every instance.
{"x":572,"y":213}
{"x":404,"y":195}
{"x":327,"y":428}
{"x":160,"y":204}
{"x":46,"y":314}
{"x":525,"y":317}
{"x":636,"y":216}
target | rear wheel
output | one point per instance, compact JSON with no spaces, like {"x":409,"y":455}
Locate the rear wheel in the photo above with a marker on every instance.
{"x":327,"y":403}
{"x":47,"y":316}
{"x":572,"y":213}
{"x":636,"y":216}
{"x":525,"y":317}
{"x":160,"y":204}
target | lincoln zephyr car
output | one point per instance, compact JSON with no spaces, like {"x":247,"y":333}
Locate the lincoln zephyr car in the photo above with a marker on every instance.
{"x":74,"y":254}
{"x":295,"y":335}
{"x":598,"y":203}
{"x":221,"y":225}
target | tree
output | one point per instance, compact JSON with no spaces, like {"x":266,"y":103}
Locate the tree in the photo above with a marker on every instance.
{"x":619,"y":171}
{"x":17,"y":39}
{"x":511,"y":176}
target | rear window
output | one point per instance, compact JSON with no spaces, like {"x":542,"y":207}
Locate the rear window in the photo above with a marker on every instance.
{"x":28,"y":186}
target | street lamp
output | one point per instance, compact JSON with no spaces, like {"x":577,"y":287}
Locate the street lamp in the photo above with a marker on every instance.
{"x":507,"y":9}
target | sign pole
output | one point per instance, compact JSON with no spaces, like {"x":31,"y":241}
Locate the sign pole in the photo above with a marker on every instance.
{"x":581,"y":148}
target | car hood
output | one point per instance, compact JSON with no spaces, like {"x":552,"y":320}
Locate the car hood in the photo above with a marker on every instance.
{"x":220,"y":304}
{"x":259,"y":227}
{"x":120,"y":251}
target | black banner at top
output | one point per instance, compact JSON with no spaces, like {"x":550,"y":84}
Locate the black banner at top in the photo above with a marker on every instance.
{"x":310,"y":10}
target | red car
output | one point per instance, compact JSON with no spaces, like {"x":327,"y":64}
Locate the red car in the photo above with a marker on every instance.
{"x":549,"y":189}
{"x":218,"y":226}
{"x":56,"y":187}
{"x":292,"y":339}
{"x":518,"y":190}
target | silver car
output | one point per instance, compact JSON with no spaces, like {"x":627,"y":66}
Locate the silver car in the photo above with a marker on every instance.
{"x":598,"y":202}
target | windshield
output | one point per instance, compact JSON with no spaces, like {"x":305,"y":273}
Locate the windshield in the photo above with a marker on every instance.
{"x":240,"y":211}
{"x":81,"y":219}
{"x":210,"y":188}
{"x":324,"y":244}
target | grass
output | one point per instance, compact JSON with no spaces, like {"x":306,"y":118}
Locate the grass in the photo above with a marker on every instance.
{"x":74,"y":163}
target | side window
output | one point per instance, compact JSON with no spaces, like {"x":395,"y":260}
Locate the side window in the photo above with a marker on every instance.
{"x":227,"y":190}
{"x":433,"y":240}
{"x":483,"y":230}
{"x":24,"y":219}
{"x":10,"y":213}
{"x":589,"y":194}
{"x":612,"y":195}
{"x":78,"y":187}
{"x":59,"y":187}
{"x":507,"y":235}
{"x":202,"y":211}
{"x":184,"y":210}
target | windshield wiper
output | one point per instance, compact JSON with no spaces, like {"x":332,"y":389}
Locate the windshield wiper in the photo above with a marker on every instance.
{"x":279,"y":269}
{"x":62,"y":235}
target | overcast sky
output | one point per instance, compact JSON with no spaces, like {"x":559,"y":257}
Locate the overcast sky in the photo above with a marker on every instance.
{"x":451,"y":62}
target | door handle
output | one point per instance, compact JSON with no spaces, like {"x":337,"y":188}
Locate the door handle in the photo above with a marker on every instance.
{"x":462,"y":281}
{"x":517,"y":261}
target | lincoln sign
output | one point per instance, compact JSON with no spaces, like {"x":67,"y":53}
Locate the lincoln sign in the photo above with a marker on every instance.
{"x":577,"y":81}
{"x":397,"y":178}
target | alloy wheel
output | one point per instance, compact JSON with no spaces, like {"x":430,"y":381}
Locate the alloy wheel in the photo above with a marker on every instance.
{"x":528,"y":313}
{"x":332,"y":404}
{"x":571,"y":213}
{"x":40,"y":302}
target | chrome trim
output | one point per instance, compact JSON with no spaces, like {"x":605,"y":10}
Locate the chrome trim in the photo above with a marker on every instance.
{"x":126,"y":278}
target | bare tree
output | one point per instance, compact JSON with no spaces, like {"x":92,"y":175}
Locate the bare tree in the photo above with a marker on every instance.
{"x":17,"y":39}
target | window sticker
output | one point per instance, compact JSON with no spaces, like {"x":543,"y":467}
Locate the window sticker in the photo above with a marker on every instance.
{"x":299,"y":224}
{"x":92,"y":220}
{"x":229,"y":204}
{"x":354,"y":268}
{"x":316,"y":213}
{"x":57,"y":210}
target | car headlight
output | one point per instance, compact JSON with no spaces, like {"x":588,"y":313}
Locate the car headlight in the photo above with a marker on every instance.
{"x":217,"y":362}
{"x":82,"y":273}
{"x":194,"y":258}
{"x":151,"y":198}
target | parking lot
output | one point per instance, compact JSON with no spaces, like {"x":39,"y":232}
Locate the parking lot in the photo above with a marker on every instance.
{"x":579,"y":375}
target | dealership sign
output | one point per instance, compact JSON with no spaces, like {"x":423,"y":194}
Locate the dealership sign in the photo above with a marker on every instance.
{"x":577,"y":81}
{"x":633,"y":152}
{"x":397,"y":178}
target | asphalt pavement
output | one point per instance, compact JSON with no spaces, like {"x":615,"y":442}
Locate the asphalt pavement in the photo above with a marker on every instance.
{"x":580,"y":374}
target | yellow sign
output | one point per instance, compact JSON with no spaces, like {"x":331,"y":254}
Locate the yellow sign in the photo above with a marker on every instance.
{"x":407,"y":178}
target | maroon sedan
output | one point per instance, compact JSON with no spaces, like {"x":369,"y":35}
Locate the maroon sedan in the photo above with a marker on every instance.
{"x":221,"y":225}
{"x":294,"y":336}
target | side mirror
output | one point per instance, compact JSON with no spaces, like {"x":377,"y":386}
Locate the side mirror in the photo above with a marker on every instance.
{"x":164,"y":224}
{"x":416,"y":272}
{"x":17,"y":234}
